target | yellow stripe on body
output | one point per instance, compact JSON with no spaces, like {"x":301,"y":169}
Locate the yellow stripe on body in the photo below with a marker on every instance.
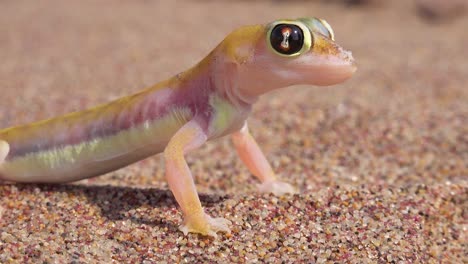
{"x":97,"y":156}
{"x":40,"y":131}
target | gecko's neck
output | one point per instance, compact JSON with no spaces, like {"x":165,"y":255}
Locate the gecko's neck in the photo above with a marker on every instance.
{"x":213,"y":76}
{"x":210,"y":91}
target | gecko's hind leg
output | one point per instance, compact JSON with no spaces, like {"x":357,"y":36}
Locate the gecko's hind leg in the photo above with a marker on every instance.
{"x":253,"y":157}
{"x":4,"y":150}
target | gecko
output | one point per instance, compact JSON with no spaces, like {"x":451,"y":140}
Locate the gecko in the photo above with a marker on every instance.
{"x":210,"y":100}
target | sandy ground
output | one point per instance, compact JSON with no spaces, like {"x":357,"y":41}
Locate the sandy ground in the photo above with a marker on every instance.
{"x":381,"y":161}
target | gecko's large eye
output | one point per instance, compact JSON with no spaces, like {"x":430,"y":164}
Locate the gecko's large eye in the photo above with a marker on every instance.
{"x":289,"y":39}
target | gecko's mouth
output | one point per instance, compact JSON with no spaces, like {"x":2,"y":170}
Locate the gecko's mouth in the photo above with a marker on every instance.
{"x":332,"y":72}
{"x":325,"y":70}
{"x":326,"y":63}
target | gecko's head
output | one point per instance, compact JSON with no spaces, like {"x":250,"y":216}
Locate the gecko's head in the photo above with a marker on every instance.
{"x":288,"y":52}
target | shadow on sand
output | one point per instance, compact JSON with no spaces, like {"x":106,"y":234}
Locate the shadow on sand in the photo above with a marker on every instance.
{"x":115,"y":202}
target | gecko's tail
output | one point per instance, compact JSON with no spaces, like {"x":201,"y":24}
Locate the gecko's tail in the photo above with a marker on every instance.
{"x":4,"y":149}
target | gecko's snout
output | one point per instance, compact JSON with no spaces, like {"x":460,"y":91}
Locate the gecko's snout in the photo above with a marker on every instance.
{"x":329,"y":63}
{"x":327,"y":68}
{"x":333,"y":73}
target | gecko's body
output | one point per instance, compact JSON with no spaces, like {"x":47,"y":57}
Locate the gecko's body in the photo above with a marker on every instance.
{"x":210,"y":100}
{"x":95,"y":141}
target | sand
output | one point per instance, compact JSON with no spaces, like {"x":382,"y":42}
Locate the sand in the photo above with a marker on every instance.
{"x":381,"y":161}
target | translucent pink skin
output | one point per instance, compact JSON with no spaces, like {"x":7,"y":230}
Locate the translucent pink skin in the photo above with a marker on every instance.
{"x":265,"y":72}
{"x":123,"y":123}
{"x":111,"y":118}
{"x":212,"y":99}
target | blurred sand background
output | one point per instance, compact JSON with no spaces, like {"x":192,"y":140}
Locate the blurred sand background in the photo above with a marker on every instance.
{"x":381,"y":161}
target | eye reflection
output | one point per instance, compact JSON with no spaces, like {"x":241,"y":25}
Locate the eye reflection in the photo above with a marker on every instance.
{"x":287,"y":39}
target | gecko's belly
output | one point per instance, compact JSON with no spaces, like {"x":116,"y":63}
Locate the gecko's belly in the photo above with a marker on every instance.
{"x":94,"y":157}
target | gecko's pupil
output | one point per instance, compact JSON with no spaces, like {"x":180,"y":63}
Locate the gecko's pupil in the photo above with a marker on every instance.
{"x":287,"y":38}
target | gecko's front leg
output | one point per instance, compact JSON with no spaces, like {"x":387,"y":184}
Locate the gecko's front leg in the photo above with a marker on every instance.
{"x":180,"y":180}
{"x":251,"y":154}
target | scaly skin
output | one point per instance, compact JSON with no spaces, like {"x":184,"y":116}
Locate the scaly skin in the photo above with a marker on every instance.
{"x":210,"y":100}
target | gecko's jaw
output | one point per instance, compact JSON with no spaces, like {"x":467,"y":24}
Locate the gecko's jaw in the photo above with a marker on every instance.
{"x":331,"y":73}
{"x":326,"y":63}
{"x":312,"y":69}
{"x":327,"y":69}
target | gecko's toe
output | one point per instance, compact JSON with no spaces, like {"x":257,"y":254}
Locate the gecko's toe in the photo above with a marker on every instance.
{"x":220,"y":224}
{"x":276,"y":187}
{"x":207,"y":226}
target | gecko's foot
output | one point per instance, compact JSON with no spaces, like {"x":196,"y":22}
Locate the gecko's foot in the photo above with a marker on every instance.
{"x":276,"y":187}
{"x":205,"y":225}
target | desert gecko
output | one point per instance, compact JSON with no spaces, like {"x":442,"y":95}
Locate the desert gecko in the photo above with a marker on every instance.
{"x":210,"y":100}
